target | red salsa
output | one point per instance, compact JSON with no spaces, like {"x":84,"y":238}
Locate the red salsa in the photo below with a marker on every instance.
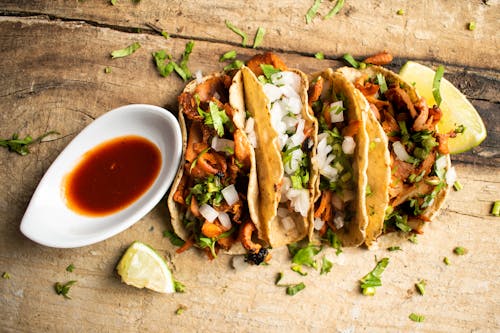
{"x":112,"y":175}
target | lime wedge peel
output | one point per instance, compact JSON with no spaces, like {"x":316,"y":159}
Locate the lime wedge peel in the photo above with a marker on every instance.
{"x":457,"y":110}
{"x":142,"y":267}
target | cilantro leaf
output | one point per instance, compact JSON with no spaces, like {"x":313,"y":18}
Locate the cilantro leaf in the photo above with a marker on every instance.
{"x":372,"y":280}
{"x":174,"y":239}
{"x":179,"y":287}
{"x":269,"y":70}
{"x":334,"y":241}
{"x":305,"y":256}
{"x":294,"y":289}
{"x":219,"y":118}
{"x":338,"y":6}
{"x":228,"y":56}
{"x":312,"y":11}
{"x":125,"y":51}
{"x":20,"y":146}
{"x":326,"y":266}
{"x":436,"y":84}
{"x":237,"y":31}
{"x":298,"y":269}
{"x":259,"y":37}
{"x":416,"y":317}
{"x":70,"y":268}
{"x":420,"y":285}
{"x":160,"y":58}
{"x":63,"y":289}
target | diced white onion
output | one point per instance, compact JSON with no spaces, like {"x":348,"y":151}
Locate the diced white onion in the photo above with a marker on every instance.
{"x":286,"y":78}
{"x":286,"y":183}
{"x":293,"y":105}
{"x":208,"y":212}
{"x":318,"y":223}
{"x":199,"y":76}
{"x":324,"y":157}
{"x":223,"y":145}
{"x":287,"y":223}
{"x":451,"y":176}
{"x":272,"y":92}
{"x":338,"y":221}
{"x":335,"y":115}
{"x":400,"y":151}
{"x":224,"y":220}
{"x":230,"y":194}
{"x":299,"y":136}
{"x":299,"y":200}
{"x":295,"y":160}
{"x":441,"y":163}
{"x":250,"y":131}
{"x":348,"y":145}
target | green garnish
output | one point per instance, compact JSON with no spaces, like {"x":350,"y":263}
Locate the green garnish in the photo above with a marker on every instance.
{"x":472,"y":26}
{"x":420,"y":285}
{"x":269,"y":70}
{"x":293,"y":289}
{"x":457,"y":185}
{"x":219,"y":118}
{"x":312,"y":11}
{"x":350,"y":60}
{"x":5,"y":276}
{"x":305,"y":256}
{"x":319,"y":56}
{"x":113,"y":2}
{"x":228,"y":56}
{"x":382,"y":84}
{"x":495,"y":210}
{"x":298,"y":269}
{"x":436,"y":84}
{"x":446,"y":261}
{"x":165,"y":34}
{"x":125,"y":51}
{"x":413,"y":238}
{"x":210,"y":243}
{"x":20,"y":146}
{"x":160,"y":57}
{"x":174,"y":239}
{"x":338,"y":6}
{"x":237,"y":64}
{"x":238,"y":32}
{"x":193,"y":164}
{"x":180,"y":309}
{"x":460,"y":251}
{"x":183,"y":71}
{"x":334,"y":241}
{"x":460,"y":129}
{"x":70,"y":268}
{"x":400,"y":12}
{"x":326,"y":266}
{"x":107,"y":70}
{"x":394,"y":248}
{"x":259,"y":37}
{"x":63,"y":289}
{"x":416,"y":317}
{"x":372,"y":280}
{"x":279,"y":277}
{"x":179,"y":287}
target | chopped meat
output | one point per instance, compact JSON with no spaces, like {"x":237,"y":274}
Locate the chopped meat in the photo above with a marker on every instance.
{"x":266,"y":58}
{"x":188,"y":106}
{"x":399,"y":98}
{"x":380,"y":59}
{"x":315,"y":90}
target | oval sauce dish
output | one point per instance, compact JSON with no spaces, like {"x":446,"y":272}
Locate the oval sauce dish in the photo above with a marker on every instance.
{"x":108,"y":177}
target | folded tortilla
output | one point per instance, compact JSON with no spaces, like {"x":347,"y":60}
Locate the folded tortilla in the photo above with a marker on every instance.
{"x":419,"y":160}
{"x":286,"y":135}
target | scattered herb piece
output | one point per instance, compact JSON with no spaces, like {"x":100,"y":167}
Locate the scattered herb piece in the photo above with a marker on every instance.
{"x":372,"y":280}
{"x":305,"y":256}
{"x":350,"y":60}
{"x":400,"y":12}
{"x":298,"y":269}
{"x":326,"y":266}
{"x":259,"y":37}
{"x":182,"y":68}
{"x":416,"y":317}
{"x":174,"y":239}
{"x":472,"y":26}
{"x":460,"y":251}
{"x":413,"y":238}
{"x":230,"y":55}
{"x":446,"y":261}
{"x":107,"y":70}
{"x":382,"y":84}
{"x":160,"y":57}
{"x":63,"y":289}
{"x":495,"y":210}
{"x":460,"y":129}
{"x":334,"y":241}
{"x":5,"y":276}
{"x":70,"y":268}
{"x":20,"y":146}
{"x":457,"y":186}
{"x":436,"y":92}
{"x":293,"y":289}
{"x":125,"y":51}
{"x":319,"y":56}
{"x":179,"y":287}
{"x":234,"y":65}
{"x":165,"y":34}
{"x":338,"y":6}
{"x":394,"y":248}
{"x":180,"y":309}
{"x":113,"y":2}
{"x":420,"y":285}
{"x":312,"y":11}
{"x":269,"y":70}
{"x":279,"y":277}
{"x":238,"y":32}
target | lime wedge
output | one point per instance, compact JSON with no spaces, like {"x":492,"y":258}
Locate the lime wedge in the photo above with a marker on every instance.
{"x":142,"y":267}
{"x":457,"y":110}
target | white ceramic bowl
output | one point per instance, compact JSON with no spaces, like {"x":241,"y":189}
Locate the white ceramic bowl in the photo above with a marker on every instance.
{"x":48,"y":221}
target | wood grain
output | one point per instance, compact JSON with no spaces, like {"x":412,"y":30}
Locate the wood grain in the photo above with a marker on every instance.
{"x":52,"y":77}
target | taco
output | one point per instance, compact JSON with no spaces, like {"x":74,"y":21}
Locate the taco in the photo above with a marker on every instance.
{"x":276,"y":97}
{"x":341,"y":160}
{"x":421,"y":172}
{"x":213,"y":199}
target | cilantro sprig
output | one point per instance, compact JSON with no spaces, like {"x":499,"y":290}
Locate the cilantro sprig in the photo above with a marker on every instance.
{"x":126,"y":51}
{"x":21,"y":146}
{"x":373,"y":279}
{"x":63,"y":289}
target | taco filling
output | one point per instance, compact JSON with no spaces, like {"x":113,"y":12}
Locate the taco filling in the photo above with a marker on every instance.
{"x":210,"y":201}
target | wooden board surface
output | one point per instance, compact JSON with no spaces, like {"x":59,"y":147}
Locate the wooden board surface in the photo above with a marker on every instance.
{"x":52,"y":77}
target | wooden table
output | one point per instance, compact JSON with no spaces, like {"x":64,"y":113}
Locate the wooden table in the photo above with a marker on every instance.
{"x":52,"y":77}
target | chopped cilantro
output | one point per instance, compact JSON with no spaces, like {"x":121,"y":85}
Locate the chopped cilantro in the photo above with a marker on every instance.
{"x":293,"y":289}
{"x":70,"y":268}
{"x":382,"y":84}
{"x":334,"y":241}
{"x":179,"y":287}
{"x":471,"y":26}
{"x":125,"y":51}
{"x":326,"y":266}
{"x":237,"y":31}
{"x":269,"y":70}
{"x":457,"y":186}
{"x":237,"y":64}
{"x":165,"y":34}
{"x":164,"y":68}
{"x":372,"y":280}
{"x":180,"y":310}
{"x":5,"y":276}
{"x":107,"y":70}
{"x":63,"y":289}
{"x":305,"y":256}
{"x":174,"y":239}
{"x":495,"y":210}
{"x":338,"y":6}
{"x":20,"y":146}
{"x":400,"y":12}
{"x":420,"y":285}
{"x":446,"y":261}
{"x":350,"y":60}
{"x":228,"y":56}
{"x":460,"y":251}
{"x":184,"y":70}
{"x":413,"y":238}
{"x":312,"y":11}
{"x":460,"y":129}
{"x":259,"y":37}
{"x":416,"y":317}
{"x":394,"y":248}
{"x":279,"y":277}
{"x":436,"y":92}
{"x":298,"y":269}
{"x":205,"y":242}
{"x":319,"y":55}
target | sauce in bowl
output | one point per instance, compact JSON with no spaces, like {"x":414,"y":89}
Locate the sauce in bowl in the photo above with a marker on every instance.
{"x":112,"y":175}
